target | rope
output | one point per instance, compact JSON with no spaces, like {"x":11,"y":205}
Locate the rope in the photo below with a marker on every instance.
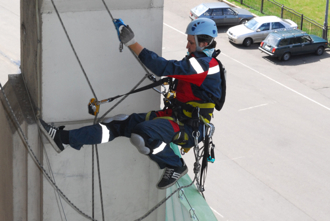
{"x":93,"y":181}
{"x":74,"y":51}
{"x":58,"y":199}
{"x":123,"y":98}
{"x":100,"y":185}
{"x":188,"y":202}
{"x":163,"y":201}
{"x":36,"y":160}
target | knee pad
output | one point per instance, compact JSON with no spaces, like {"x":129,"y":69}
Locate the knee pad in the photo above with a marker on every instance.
{"x":119,"y":117}
{"x":120,"y":121}
{"x":139,"y":143}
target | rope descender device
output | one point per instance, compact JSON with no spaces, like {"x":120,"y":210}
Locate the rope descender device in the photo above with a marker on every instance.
{"x":94,"y":105}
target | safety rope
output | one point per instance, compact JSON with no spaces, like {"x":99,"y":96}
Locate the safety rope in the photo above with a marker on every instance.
{"x":36,"y":160}
{"x":164,"y":200}
{"x":74,"y":51}
{"x":136,"y":57}
{"x":191,"y":208}
{"x":58,"y":199}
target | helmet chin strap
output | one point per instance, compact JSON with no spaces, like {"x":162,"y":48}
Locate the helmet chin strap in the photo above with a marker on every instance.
{"x":198,"y":48}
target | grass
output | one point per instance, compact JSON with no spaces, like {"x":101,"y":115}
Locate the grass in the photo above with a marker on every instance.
{"x":313,"y":9}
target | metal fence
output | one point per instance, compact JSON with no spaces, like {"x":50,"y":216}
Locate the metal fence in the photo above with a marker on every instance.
{"x":271,"y":7}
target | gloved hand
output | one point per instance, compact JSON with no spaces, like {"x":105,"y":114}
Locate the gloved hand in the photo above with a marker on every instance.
{"x":125,"y":33}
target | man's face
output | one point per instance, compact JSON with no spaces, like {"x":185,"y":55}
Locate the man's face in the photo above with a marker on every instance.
{"x":191,"y":44}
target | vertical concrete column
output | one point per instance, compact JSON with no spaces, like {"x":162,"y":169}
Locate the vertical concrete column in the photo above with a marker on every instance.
{"x":22,"y":177}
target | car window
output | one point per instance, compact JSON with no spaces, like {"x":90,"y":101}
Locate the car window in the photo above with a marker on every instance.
{"x":208,"y":12}
{"x":296,"y":40}
{"x":217,"y":12}
{"x":264,"y":27}
{"x":306,"y":39}
{"x":200,"y":9}
{"x":284,"y":42}
{"x":271,"y":40}
{"x":228,"y":11}
{"x":277,"y":25}
{"x":252,"y":24}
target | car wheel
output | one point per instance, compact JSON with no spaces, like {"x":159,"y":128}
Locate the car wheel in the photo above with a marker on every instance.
{"x":286,"y":56}
{"x":243,"y":21}
{"x":319,"y":51}
{"x":247,"y":42}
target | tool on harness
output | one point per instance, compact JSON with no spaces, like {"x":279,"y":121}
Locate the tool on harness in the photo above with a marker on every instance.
{"x":211,"y":157}
{"x":94,"y":105}
{"x":207,"y":155}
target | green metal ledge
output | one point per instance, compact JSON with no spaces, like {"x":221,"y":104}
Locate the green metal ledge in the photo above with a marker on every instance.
{"x":187,"y":204}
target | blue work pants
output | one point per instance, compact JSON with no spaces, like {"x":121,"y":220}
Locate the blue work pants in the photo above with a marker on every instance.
{"x":155,"y":131}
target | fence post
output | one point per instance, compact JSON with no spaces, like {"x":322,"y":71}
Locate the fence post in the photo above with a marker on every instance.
{"x":262,"y":6}
{"x":282,"y":9}
{"x":301,"y":21}
{"x":241,"y":2}
{"x":325,"y":32}
{"x":325,"y":26}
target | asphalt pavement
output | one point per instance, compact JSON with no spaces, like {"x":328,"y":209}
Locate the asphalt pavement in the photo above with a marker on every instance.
{"x":272,"y":143}
{"x":9,"y":39}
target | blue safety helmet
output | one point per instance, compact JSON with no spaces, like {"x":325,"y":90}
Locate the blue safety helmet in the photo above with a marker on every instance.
{"x":202,"y":26}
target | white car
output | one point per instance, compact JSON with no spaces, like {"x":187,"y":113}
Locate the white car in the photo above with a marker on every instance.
{"x":257,"y":29}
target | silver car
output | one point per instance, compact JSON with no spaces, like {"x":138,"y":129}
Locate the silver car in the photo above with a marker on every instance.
{"x":257,"y":29}
{"x":221,"y":13}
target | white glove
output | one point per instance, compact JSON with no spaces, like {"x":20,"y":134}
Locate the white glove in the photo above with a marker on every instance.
{"x":126,"y":35}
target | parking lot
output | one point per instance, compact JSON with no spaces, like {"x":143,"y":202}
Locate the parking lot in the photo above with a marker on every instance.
{"x":272,"y":143}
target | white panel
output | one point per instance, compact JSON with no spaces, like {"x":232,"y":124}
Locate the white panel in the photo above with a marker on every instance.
{"x":66,"y":92}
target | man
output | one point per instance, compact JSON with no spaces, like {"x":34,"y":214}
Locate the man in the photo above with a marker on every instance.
{"x":197,"y":86}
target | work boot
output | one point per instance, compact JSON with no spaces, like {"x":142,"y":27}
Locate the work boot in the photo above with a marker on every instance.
{"x":171,"y":175}
{"x":52,"y":134}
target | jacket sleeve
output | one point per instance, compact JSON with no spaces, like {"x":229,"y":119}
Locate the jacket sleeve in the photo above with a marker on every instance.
{"x":178,"y":69}
{"x":162,"y":67}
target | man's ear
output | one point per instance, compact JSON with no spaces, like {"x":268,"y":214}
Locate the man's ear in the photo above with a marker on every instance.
{"x":203,"y":44}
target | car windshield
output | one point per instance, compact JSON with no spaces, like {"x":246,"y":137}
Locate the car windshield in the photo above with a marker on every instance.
{"x":200,"y":9}
{"x":271,"y":40}
{"x":252,"y":24}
